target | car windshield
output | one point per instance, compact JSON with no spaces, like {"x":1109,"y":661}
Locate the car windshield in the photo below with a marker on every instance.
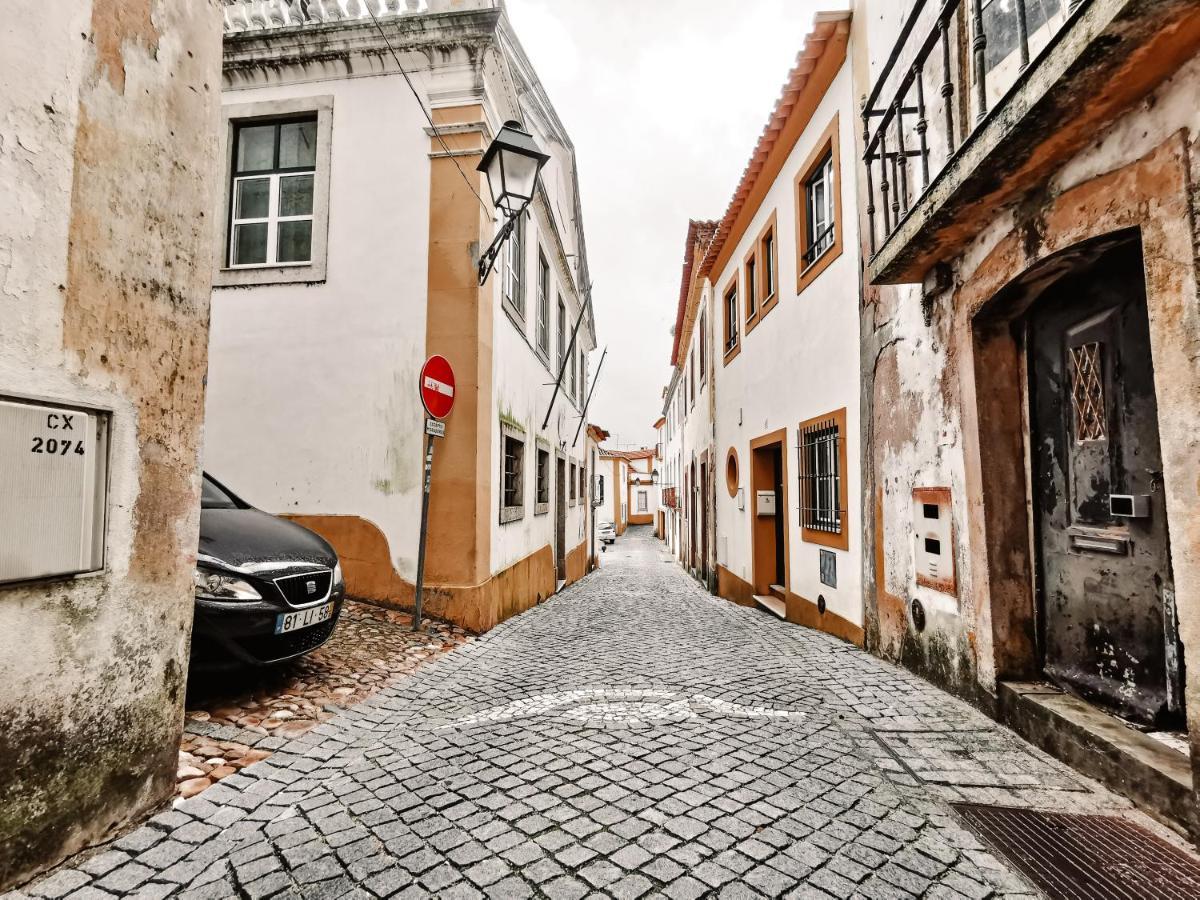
{"x":213,"y":497}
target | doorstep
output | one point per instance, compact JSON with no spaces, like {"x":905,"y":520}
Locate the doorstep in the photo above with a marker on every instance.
{"x":772,"y":605}
{"x":1151,"y":774}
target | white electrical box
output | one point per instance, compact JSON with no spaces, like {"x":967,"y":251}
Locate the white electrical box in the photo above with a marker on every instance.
{"x":53,"y":490}
{"x":934,"y":537}
{"x":766,"y":503}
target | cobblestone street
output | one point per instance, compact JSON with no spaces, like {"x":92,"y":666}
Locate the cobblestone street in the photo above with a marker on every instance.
{"x":632,"y":736}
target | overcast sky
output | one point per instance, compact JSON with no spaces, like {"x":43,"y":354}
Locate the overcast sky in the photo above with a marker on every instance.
{"x":664,"y":101}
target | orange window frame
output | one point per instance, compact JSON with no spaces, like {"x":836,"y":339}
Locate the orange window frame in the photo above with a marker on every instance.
{"x":728,"y":353}
{"x":766,"y":302}
{"x":827,"y":145}
{"x":840,"y":539}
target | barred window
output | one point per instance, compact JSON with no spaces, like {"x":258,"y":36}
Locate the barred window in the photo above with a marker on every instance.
{"x":512,"y":475}
{"x":820,"y":475}
{"x":542,"y":495}
{"x":643,"y":504}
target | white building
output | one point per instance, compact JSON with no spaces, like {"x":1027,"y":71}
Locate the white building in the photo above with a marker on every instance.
{"x":349,"y":235}
{"x":782,"y":271}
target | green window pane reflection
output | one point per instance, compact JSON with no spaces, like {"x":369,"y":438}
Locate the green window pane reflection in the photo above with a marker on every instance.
{"x":298,"y":145}
{"x":253,"y":198}
{"x":295,"y":241}
{"x":296,"y":195}
{"x":250,"y":244}
{"x":256,"y":148}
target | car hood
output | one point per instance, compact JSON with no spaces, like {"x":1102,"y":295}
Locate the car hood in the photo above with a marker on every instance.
{"x":252,"y":539}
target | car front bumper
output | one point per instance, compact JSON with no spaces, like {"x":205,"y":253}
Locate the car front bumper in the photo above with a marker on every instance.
{"x":232,"y":635}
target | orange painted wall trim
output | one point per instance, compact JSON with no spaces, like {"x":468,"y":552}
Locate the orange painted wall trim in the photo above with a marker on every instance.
{"x":367,"y":564}
{"x":733,"y":588}
{"x":804,"y":612}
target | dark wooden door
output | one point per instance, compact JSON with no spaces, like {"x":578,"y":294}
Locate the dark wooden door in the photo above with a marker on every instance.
{"x":1107,"y":618}
{"x":560,"y":520}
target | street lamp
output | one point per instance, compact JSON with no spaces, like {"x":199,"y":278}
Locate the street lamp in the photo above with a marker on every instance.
{"x":511,"y":163}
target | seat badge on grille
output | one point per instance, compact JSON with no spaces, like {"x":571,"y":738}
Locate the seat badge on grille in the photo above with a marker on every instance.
{"x":311,"y":586}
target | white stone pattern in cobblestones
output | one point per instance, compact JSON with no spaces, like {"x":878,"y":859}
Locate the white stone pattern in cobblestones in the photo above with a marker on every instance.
{"x":633,"y":736}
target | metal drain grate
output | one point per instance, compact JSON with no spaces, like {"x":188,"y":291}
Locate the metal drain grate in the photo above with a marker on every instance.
{"x":1074,"y":857}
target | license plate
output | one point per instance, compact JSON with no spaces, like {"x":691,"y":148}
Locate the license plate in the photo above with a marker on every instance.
{"x":302,"y":618}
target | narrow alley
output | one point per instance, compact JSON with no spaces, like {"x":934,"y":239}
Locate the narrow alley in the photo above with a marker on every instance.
{"x":631,"y":736}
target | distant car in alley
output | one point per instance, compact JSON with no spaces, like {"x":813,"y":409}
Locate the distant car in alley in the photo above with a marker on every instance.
{"x":607,"y":532}
{"x":267,"y":590}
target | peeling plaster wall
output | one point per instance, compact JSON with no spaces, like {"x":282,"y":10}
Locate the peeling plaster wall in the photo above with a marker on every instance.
{"x":107,"y":116}
{"x":923,"y":405}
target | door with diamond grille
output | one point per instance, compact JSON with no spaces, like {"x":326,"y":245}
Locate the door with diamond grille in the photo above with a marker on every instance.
{"x":1106,"y":616}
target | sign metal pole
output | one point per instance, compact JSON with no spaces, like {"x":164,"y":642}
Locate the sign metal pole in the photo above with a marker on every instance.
{"x":424,"y":530}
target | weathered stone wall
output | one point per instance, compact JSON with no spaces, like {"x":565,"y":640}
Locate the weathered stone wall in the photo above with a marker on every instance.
{"x":942,"y":398}
{"x":107,"y":174}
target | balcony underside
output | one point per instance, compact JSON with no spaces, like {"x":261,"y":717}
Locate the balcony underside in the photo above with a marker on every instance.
{"x":1113,"y":54}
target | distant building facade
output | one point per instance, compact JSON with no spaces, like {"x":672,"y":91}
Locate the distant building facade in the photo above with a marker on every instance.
{"x":349,"y":234}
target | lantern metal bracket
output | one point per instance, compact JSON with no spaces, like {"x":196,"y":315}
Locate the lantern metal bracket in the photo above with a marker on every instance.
{"x":488,"y":259}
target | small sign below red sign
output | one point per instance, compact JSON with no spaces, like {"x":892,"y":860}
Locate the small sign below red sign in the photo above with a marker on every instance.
{"x":437,"y":386}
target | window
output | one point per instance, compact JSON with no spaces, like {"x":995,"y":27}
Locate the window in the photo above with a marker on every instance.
{"x":512,"y":473}
{"x":582,"y":481}
{"x":562,"y":332}
{"x":513,"y":283}
{"x":541,"y":499}
{"x":643,"y":502}
{"x":274,"y":182}
{"x":582,"y":375}
{"x":819,"y":220}
{"x":571,"y":483}
{"x":821,"y":453}
{"x":751,"y":286}
{"x":573,"y":393}
{"x":702,"y":340}
{"x":600,"y":489}
{"x":731,"y":320}
{"x":768,"y":264}
{"x":692,"y":380}
{"x":543,"y":306}
{"x":818,"y":209}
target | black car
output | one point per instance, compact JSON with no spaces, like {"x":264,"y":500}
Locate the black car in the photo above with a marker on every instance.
{"x":267,"y":590}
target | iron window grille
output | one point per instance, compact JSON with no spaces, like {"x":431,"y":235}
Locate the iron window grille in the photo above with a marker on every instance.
{"x":731,"y":322}
{"x":643,"y":502}
{"x":817,"y":452}
{"x":542,"y":495}
{"x":512,"y":500}
{"x":1087,"y":392}
{"x":819,"y":220}
{"x":271,"y":201}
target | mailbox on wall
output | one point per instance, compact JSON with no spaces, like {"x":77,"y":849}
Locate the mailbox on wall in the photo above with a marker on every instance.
{"x":53,"y":490}
{"x":934,"y":536}
{"x":765,"y":503}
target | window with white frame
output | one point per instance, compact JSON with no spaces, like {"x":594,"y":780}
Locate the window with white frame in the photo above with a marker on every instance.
{"x":819,"y":210}
{"x":562,"y":332}
{"x":731,"y":319}
{"x":272,"y":193}
{"x":643,"y":502}
{"x":572,"y":483}
{"x":514,"y":268}
{"x":543,"y":306}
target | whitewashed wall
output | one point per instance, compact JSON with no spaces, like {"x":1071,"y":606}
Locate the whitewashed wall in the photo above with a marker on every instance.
{"x":312,"y":389}
{"x":800,"y":361}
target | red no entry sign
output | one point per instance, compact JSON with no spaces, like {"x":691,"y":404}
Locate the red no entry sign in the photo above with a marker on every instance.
{"x":437,"y":386}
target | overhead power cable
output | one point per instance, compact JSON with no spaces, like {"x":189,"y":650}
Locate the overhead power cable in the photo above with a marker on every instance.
{"x":428,"y":118}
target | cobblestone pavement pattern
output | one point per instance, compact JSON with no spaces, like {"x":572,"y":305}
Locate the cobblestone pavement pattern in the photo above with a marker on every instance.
{"x":632,"y":736}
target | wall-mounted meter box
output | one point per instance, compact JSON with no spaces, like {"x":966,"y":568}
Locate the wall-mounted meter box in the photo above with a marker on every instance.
{"x":765,"y":503}
{"x":934,"y":536}
{"x":53,"y":490}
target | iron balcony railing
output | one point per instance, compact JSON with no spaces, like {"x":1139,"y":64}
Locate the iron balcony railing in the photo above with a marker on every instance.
{"x":919,"y":114}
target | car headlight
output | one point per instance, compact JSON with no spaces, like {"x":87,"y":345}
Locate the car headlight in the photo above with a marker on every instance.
{"x":338,"y":580}
{"x":212,"y":585}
